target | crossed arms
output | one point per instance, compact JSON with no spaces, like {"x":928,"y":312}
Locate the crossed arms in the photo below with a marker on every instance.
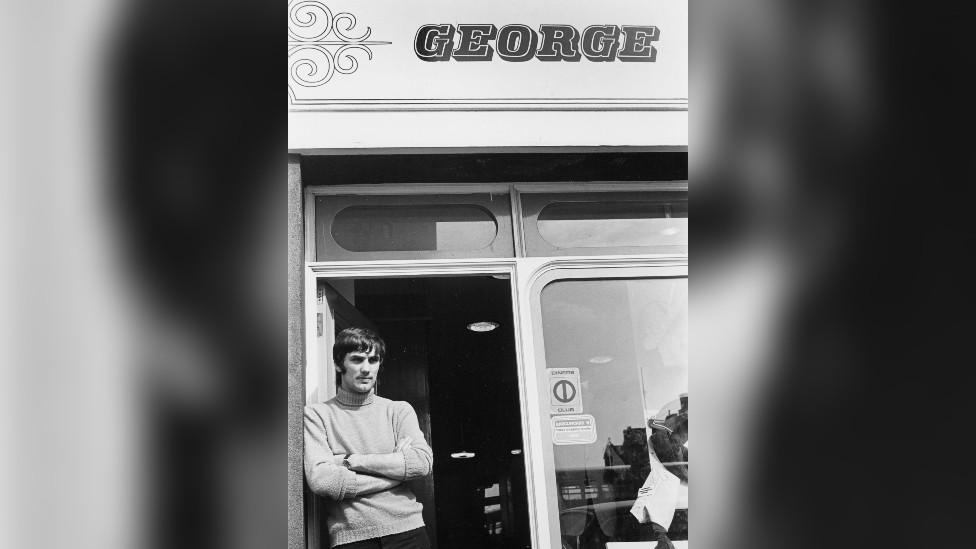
{"x":328,"y":476}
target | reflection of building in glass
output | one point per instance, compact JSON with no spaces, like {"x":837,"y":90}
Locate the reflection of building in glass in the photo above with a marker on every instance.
{"x":625,"y":468}
{"x":595,"y":502}
{"x":633,"y":454}
{"x":669,"y":438}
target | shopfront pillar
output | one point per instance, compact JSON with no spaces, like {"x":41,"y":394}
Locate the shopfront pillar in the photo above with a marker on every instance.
{"x":296,"y":354}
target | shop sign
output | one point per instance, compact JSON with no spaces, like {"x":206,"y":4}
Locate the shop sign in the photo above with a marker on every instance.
{"x":564,"y":391}
{"x":576,"y":429}
{"x":472,"y":55}
{"x":518,"y":43}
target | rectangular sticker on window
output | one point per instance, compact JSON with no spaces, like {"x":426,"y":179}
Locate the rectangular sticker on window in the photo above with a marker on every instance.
{"x":564,"y":391}
{"x":577,"y":429}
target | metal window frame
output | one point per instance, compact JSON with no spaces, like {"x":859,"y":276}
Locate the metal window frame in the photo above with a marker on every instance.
{"x":513,"y":189}
{"x":525,"y":274}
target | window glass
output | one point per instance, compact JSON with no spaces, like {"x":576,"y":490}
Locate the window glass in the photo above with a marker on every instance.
{"x":605,"y":223}
{"x":404,"y":228}
{"x":602,"y":224}
{"x":435,"y":226}
{"x":616,"y":395}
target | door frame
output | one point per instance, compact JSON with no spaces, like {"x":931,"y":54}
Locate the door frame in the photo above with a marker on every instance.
{"x":316,"y":271}
{"x":524,"y":273}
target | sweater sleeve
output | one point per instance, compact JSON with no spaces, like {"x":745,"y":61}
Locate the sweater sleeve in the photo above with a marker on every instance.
{"x":324,"y":477}
{"x":419,"y":458}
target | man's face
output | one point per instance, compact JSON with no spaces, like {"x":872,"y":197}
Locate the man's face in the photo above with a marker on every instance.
{"x":362,"y":368}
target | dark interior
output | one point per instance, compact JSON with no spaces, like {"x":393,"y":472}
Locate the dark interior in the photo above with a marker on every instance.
{"x":464,"y":387}
{"x":504,"y":167}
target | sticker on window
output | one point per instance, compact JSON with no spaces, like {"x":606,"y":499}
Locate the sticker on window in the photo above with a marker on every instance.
{"x":564,"y":391}
{"x":577,"y":429}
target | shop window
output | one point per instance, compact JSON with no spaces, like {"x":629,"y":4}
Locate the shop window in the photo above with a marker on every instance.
{"x":371,"y":227}
{"x":605,"y":223}
{"x":448,"y":227}
{"x":615,"y":390}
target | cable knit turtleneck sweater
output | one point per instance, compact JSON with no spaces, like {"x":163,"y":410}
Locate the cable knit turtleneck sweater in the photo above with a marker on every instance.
{"x":357,"y":423}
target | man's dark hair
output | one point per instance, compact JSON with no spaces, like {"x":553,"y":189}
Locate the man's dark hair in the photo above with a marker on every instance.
{"x":353,"y":340}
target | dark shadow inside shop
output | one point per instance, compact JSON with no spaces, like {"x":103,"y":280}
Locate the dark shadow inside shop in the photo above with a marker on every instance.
{"x":451,"y":354}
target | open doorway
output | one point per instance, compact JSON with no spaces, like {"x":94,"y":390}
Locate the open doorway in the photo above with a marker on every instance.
{"x":462,"y":379}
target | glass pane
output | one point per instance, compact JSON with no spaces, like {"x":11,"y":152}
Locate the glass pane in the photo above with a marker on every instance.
{"x":616,"y":392}
{"x":609,"y":224}
{"x":445,"y":227}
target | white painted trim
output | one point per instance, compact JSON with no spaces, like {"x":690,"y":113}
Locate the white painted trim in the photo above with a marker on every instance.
{"x":410,"y":267}
{"x":587,"y":104}
{"x":534,"y":451}
{"x":359,"y":151}
{"x":490,"y":265}
{"x":402,"y":189}
{"x":412,"y":189}
{"x":615,"y":266}
{"x":312,"y":374}
{"x":527,"y":395}
{"x":601,"y":186}
{"x":472,"y":129}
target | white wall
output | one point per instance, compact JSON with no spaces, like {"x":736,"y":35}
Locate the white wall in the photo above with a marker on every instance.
{"x":308,"y":131}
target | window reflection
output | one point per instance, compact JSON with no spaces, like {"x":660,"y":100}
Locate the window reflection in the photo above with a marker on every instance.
{"x":628,"y":340}
{"x":613,"y":224}
{"x":414,"y":228}
{"x":605,"y":223}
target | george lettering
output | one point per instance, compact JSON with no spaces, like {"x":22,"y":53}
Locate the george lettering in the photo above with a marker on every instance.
{"x":600,"y":42}
{"x":434,"y":42}
{"x":559,"y":43}
{"x":473,"y":42}
{"x":518,"y":43}
{"x":637,"y":44}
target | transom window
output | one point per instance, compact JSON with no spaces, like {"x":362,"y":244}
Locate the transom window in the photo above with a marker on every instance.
{"x":362,"y":223}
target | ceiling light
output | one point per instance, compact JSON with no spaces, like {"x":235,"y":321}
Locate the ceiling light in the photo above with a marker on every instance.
{"x":462,"y":455}
{"x":600,"y":359}
{"x":516,"y":451}
{"x":484,"y":326}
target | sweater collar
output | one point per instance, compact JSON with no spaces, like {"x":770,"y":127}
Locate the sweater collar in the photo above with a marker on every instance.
{"x":350,"y":398}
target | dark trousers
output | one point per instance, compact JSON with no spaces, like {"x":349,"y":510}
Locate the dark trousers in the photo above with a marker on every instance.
{"x":411,"y":539}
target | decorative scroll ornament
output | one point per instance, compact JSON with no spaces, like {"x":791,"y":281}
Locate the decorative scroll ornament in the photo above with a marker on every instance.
{"x":322,"y":44}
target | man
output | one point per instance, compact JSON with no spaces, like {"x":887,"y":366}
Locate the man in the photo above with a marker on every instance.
{"x":360,"y":448}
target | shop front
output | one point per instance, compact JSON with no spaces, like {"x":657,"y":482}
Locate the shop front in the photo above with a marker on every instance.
{"x":500,"y":192}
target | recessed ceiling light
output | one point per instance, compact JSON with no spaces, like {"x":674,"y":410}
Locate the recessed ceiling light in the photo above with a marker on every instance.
{"x":600,"y":359}
{"x":485,"y":326}
{"x":516,"y":451}
{"x":462,"y":455}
